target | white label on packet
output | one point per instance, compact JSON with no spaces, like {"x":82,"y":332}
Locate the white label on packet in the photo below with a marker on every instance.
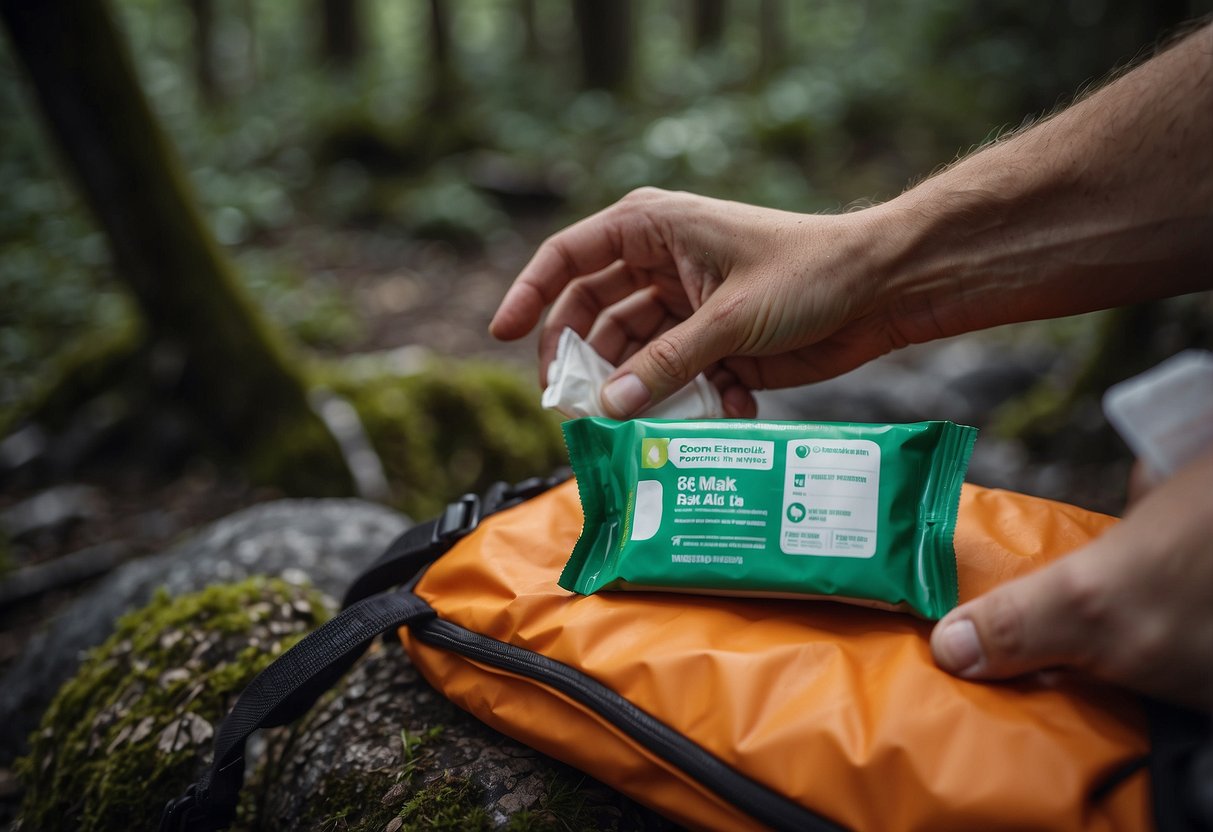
{"x":831,"y":494}
{"x":577,"y":374}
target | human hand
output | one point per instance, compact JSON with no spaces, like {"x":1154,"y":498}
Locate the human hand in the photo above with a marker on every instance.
{"x":1134,"y":607}
{"x":669,"y":285}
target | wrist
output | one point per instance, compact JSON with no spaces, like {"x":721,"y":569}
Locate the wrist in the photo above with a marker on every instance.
{"x":915,"y":263}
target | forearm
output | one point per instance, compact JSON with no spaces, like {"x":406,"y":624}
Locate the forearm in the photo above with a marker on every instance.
{"x":1110,"y":202}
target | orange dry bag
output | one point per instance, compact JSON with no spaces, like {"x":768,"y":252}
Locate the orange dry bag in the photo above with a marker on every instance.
{"x":730,"y":714}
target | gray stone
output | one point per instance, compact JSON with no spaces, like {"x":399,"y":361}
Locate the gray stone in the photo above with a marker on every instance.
{"x":325,"y":541}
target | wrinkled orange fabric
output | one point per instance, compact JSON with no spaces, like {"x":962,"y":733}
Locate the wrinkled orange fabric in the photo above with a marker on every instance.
{"x":840,"y":708}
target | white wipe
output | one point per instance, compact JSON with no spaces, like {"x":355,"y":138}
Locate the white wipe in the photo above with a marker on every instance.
{"x":1165,"y":415}
{"x":576,"y":376}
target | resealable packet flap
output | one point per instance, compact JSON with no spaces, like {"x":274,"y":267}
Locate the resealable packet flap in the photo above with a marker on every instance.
{"x":854,"y":512}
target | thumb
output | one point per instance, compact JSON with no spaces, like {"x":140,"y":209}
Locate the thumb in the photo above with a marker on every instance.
{"x":1041,"y":620}
{"x":666,"y":364}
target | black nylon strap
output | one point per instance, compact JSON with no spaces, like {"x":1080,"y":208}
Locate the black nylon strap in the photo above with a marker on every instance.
{"x":280,"y":693}
{"x":406,"y":555}
{"x":424,"y":543}
{"x":1180,"y":741}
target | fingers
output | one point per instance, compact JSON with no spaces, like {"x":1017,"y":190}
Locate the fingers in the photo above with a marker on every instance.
{"x":1141,"y":481}
{"x":583,"y":248}
{"x":581,"y":304}
{"x":668,"y":362}
{"x":1051,"y":617}
{"x":626,"y":326}
{"x":737,"y":399}
{"x":622,"y":231}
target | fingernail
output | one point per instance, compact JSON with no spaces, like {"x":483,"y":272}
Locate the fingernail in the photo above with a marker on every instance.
{"x":958,"y":647}
{"x":626,"y":394}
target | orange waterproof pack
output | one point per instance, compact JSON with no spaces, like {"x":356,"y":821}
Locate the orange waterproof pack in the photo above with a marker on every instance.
{"x":725,"y":713}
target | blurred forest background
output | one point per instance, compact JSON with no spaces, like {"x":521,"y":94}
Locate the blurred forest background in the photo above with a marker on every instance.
{"x":373,"y":173}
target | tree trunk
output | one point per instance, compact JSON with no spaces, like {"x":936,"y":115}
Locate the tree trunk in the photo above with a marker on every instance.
{"x":249,"y":12}
{"x":770,"y":37}
{"x":342,"y":34}
{"x":533,"y":48}
{"x":442,"y":91}
{"x":707,"y":24}
{"x":204,"y":50}
{"x":604,"y":28}
{"x":237,"y":378}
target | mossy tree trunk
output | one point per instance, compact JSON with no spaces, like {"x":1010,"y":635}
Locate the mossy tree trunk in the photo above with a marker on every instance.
{"x":604,"y":29}
{"x":237,"y":378}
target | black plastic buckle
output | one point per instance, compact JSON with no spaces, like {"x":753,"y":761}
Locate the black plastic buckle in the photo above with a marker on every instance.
{"x":459,"y":518}
{"x":177,"y":811}
{"x":501,"y":496}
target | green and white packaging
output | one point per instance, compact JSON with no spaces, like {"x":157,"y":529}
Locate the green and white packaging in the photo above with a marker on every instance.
{"x":855,"y":512}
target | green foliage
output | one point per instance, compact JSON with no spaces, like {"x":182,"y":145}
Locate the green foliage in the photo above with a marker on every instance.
{"x":309,"y":306}
{"x":131,"y":728}
{"x":454,"y":428}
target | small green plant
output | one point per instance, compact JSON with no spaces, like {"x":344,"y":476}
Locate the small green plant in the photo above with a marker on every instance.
{"x":410,"y":745}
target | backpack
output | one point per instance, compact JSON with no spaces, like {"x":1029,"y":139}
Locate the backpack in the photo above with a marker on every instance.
{"x":729,"y":713}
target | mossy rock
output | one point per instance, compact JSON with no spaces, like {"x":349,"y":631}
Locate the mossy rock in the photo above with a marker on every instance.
{"x":452,"y":428}
{"x":133,"y":728}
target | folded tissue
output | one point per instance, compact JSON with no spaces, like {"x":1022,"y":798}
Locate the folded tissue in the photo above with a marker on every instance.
{"x":577,"y":373}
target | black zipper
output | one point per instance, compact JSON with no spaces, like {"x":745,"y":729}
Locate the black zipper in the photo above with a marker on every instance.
{"x":748,"y":795}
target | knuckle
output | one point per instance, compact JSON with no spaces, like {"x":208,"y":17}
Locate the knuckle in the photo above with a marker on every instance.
{"x":645,"y":193}
{"x":669,"y":359}
{"x":729,"y":309}
{"x":1005,"y":633}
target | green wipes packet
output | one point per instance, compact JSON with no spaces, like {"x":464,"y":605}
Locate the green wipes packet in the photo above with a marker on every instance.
{"x":853,"y":512}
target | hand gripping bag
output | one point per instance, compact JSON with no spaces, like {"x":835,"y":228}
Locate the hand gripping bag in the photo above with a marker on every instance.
{"x":735,"y":714}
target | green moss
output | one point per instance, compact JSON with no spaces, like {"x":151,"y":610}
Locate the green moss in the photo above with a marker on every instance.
{"x":350,"y":804}
{"x":129,"y":731}
{"x":566,"y":806}
{"x":98,"y":361}
{"x":455,"y":427}
{"x":451,"y":804}
{"x":302,"y":459}
{"x":363,"y":802}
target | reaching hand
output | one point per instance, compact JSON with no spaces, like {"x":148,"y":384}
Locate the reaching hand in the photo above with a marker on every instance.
{"x":671,"y":284}
{"x":1134,"y":607}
